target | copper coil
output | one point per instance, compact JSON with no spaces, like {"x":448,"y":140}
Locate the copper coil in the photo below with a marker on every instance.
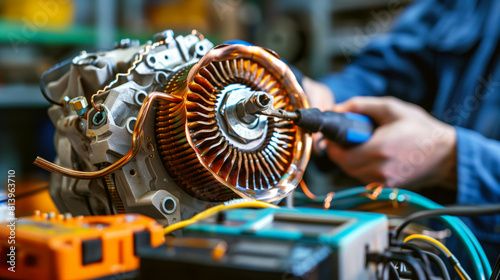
{"x":113,"y":193}
{"x":196,"y":149}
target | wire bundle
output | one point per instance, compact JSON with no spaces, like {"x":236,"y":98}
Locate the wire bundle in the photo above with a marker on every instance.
{"x":354,"y":197}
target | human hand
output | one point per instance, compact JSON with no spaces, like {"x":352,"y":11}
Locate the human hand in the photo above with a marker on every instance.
{"x":408,"y":148}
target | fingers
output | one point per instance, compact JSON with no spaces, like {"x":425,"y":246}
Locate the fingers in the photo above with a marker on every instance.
{"x":401,"y":151}
{"x":381,"y":110}
{"x":366,"y":169}
{"x":352,"y":157}
{"x":370,"y":150}
{"x":363,"y":161}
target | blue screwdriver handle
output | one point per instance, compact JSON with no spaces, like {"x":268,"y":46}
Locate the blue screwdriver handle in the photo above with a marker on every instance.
{"x":346,"y":129}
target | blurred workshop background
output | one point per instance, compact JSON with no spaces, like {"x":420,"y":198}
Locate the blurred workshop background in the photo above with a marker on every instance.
{"x":317,"y":36}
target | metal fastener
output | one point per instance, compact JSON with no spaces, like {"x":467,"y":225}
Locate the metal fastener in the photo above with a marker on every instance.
{"x":79,"y":105}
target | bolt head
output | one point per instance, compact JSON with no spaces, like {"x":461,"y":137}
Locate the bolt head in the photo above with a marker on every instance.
{"x":78,"y":103}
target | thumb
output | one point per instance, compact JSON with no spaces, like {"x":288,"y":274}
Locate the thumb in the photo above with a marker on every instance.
{"x":379,"y":109}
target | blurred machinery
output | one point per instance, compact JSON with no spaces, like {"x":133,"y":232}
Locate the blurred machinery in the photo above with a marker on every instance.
{"x":321,"y":36}
{"x":165,"y":136}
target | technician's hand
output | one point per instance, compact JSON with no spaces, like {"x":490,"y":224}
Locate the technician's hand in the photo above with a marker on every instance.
{"x":409,"y":147}
{"x":320,"y":96}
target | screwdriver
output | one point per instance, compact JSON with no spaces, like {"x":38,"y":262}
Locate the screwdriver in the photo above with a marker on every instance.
{"x":346,"y":129}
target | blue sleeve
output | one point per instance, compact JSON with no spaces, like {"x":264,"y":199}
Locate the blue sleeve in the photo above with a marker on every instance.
{"x":478,"y":174}
{"x":402,"y":62}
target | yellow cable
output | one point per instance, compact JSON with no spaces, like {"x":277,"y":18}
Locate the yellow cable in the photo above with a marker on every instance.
{"x":430,"y":239}
{"x":461,"y":272}
{"x":210,"y":211}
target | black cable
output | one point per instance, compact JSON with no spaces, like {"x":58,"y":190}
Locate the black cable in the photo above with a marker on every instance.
{"x":439,"y":263}
{"x":43,"y":85}
{"x":451,"y":259}
{"x":495,"y":275}
{"x":392,"y":272}
{"x":452,"y":211}
{"x":418,"y":253}
{"x":430,"y":244}
{"x":25,"y":194}
{"x":385,"y":257}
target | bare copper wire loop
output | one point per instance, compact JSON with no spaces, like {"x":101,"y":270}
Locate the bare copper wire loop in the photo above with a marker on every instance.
{"x":136,"y":144}
{"x":306,"y":190}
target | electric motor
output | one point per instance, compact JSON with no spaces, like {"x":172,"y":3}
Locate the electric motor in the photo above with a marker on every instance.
{"x":160,"y":129}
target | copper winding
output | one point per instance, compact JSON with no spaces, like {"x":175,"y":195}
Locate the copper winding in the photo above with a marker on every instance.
{"x":132,"y":67}
{"x":287,"y":83}
{"x":113,"y":192}
{"x":194,"y":150}
{"x":136,"y":144}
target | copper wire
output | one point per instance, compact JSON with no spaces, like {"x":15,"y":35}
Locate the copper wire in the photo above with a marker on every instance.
{"x":306,"y":190}
{"x":374,"y":190}
{"x":328,"y":200}
{"x":198,"y":34}
{"x":134,"y":64}
{"x":136,"y":144}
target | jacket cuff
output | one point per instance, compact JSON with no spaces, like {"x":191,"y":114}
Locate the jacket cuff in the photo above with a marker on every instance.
{"x":467,"y":179}
{"x":478,"y":164}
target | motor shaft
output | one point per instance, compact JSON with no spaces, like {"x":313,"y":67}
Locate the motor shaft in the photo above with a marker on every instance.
{"x":346,"y":129}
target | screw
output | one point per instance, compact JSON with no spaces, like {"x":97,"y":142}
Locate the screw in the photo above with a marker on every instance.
{"x":79,"y":105}
{"x":262,"y":100}
{"x":247,"y":109}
